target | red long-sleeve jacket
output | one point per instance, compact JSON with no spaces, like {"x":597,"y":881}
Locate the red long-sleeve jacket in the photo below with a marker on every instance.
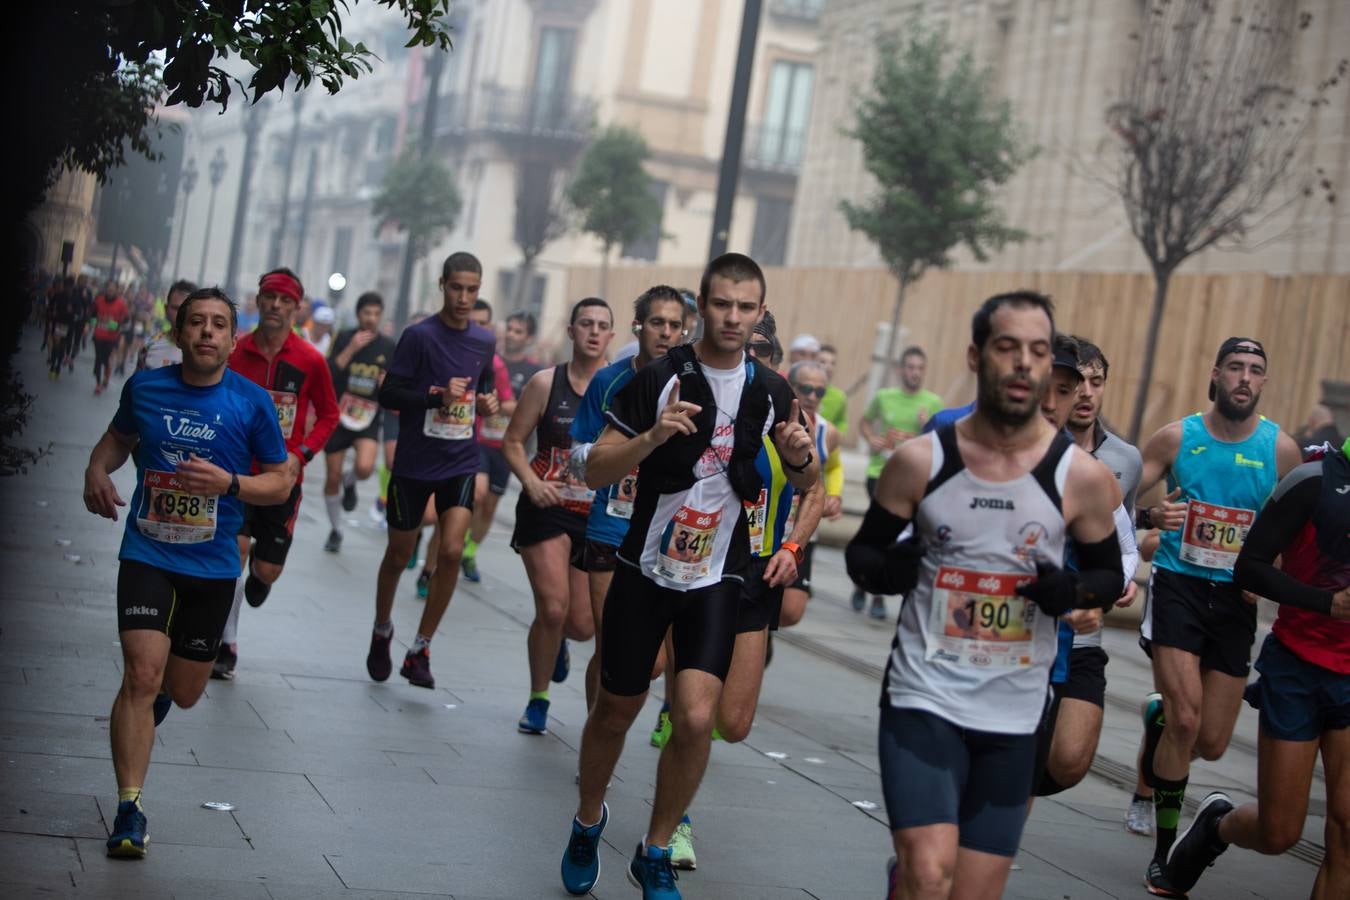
{"x":297,"y":379}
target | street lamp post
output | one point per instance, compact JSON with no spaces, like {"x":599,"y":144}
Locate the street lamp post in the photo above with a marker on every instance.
{"x":189,"y":181}
{"x":217,"y":174}
{"x":253,"y":122}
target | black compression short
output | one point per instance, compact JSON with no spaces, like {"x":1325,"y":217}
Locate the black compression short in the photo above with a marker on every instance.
{"x":191,"y":611}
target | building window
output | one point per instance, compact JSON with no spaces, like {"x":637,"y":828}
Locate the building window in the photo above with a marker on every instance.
{"x":648,"y":246}
{"x":552,"y":76}
{"x":805,"y":10}
{"x":768,"y":241}
{"x":532,"y":303}
{"x":787,"y":109}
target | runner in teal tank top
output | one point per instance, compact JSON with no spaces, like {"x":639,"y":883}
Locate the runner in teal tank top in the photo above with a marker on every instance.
{"x":1198,"y":627}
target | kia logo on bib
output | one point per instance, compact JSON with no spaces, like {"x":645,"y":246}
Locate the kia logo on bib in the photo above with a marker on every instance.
{"x":990,"y":503}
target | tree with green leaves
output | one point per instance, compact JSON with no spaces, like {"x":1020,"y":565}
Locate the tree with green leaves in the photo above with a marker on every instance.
{"x":419,"y":197}
{"x":939,"y":142}
{"x":612,"y":193}
{"x":1209,"y":125}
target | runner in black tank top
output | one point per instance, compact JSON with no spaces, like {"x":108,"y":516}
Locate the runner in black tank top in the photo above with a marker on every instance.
{"x":551,"y":513}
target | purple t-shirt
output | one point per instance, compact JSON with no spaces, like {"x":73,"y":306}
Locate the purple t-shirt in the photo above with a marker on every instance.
{"x":440,"y":443}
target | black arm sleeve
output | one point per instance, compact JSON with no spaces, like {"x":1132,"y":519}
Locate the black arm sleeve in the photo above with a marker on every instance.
{"x":875,"y":561}
{"x":1278,"y":525}
{"x":399,"y":393}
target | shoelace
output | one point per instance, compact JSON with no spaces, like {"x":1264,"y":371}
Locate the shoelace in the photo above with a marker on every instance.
{"x":661,"y":873}
{"x":581,"y":849}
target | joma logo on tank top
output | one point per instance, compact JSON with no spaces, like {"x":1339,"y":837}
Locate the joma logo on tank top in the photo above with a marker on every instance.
{"x":990,"y":503}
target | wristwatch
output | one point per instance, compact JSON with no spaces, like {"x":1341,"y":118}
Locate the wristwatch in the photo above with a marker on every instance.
{"x":794,"y":548}
{"x":1143,"y":517}
{"x":802,"y":468}
{"x":307,"y":453}
{"x":234,"y":485}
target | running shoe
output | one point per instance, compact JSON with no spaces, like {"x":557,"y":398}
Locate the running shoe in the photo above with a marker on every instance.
{"x":256,"y":590}
{"x":892,"y":876}
{"x":423,"y":585}
{"x":1151,"y":710}
{"x":417,"y":548}
{"x":334,"y":542}
{"x":98,"y":389}
{"x":1155,"y":879}
{"x":581,"y":860}
{"x":417,"y":668}
{"x":1139,"y":817}
{"x":878,"y":610}
{"x":682,"y":846}
{"x":378,"y":663}
{"x":1199,"y":845}
{"x":562,"y":666}
{"x":163,"y":703}
{"x":535,"y":719}
{"x":651,"y":871}
{"x":129,"y":838}
{"x":468,"y":565}
{"x":226,"y":659}
{"x":349,"y":494}
{"x":859,"y":600}
{"x":661,"y":733}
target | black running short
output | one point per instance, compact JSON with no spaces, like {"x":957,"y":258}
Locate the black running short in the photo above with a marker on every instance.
{"x":702,"y":623}
{"x":407,"y":498}
{"x":761,"y":605}
{"x":933,"y":771}
{"x":343,"y":438}
{"x":535,"y":525}
{"x":191,"y":611}
{"x":272,"y":528}
{"x":1206,"y":618}
{"x":1087,"y":676}
{"x":492,"y":462}
{"x":599,"y":556}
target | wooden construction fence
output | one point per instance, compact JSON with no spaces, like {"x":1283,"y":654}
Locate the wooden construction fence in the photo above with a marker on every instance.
{"x":1303,"y":321}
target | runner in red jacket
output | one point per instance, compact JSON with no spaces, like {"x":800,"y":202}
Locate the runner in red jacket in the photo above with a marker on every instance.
{"x":297,"y":378}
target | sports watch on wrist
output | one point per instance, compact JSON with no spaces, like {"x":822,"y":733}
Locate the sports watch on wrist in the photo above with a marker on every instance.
{"x":802,"y":468}
{"x":795,"y":549}
{"x":233,"y":490}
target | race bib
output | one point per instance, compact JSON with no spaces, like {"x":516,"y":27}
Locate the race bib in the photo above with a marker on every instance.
{"x":60,"y":330}
{"x":622,"y":495}
{"x":977,"y":619}
{"x":756,"y":514}
{"x":575,"y":496}
{"x":494,"y":428}
{"x":452,"y":422}
{"x":170,"y":514}
{"x":285,"y":402}
{"x":685,"y":551}
{"x":1213,"y":535}
{"x":356,"y":413}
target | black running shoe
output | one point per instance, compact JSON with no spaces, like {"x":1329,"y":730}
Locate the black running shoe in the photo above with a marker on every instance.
{"x":1155,"y":879}
{"x":417,"y":668}
{"x":334,"y":542}
{"x":163,"y":704}
{"x":378,"y":663}
{"x":349,"y":495}
{"x":1198,"y":846}
{"x":255,"y":590}
{"x":226,"y":659}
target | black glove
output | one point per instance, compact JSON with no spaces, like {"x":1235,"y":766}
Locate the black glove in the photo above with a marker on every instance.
{"x":1055,"y":590}
{"x":889,"y":570}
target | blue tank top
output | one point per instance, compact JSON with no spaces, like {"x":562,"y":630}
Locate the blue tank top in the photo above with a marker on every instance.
{"x":1226,"y":484}
{"x":773,"y":516}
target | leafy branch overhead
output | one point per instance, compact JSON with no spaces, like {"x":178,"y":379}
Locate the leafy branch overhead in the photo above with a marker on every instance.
{"x":938,"y":142}
{"x":418,"y":196}
{"x":612,"y":191}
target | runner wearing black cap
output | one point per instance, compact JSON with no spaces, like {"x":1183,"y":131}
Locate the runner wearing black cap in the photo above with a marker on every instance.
{"x":1198,"y":627}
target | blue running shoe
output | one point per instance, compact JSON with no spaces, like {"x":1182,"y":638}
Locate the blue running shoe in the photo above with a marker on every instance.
{"x":562,"y":667}
{"x":129,"y":838}
{"x":535,"y":720}
{"x":581,"y":860}
{"x":163,"y":703}
{"x":468,"y":567}
{"x":651,"y":870}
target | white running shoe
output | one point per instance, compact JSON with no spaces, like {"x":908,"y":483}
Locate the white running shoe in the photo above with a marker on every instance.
{"x":1139,"y":817}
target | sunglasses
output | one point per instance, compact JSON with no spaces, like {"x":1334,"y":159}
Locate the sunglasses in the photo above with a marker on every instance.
{"x":761,"y":348}
{"x":807,"y":390}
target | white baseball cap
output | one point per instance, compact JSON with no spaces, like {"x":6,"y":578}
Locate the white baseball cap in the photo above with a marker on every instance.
{"x":805,"y":342}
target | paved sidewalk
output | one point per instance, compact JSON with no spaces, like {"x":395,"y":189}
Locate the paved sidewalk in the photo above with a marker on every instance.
{"x":347,"y":788}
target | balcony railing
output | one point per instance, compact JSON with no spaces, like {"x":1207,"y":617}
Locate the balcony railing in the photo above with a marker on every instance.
{"x":800,"y":10}
{"x":517,"y":112}
{"x":774,"y":149}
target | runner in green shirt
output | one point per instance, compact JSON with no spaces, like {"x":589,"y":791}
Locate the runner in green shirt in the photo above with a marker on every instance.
{"x":894,"y":416}
{"x":834,"y":405}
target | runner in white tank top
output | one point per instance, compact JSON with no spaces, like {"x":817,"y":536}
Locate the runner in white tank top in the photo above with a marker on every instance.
{"x":993,"y":500}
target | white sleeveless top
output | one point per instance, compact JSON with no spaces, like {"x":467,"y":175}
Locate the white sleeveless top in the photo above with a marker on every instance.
{"x":967,"y":648}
